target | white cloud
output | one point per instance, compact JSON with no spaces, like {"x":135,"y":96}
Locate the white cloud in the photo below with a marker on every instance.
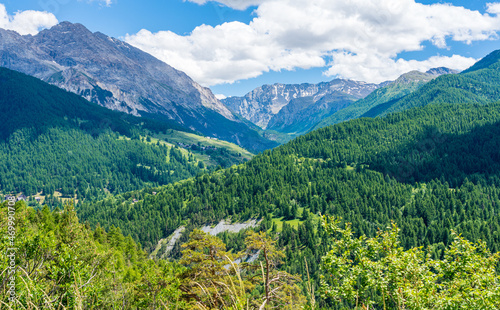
{"x":357,"y":39}
{"x":379,"y":69}
{"x":226,"y":53}
{"x":26,"y":22}
{"x":235,"y":4}
{"x":493,"y":8}
{"x":220,"y":96}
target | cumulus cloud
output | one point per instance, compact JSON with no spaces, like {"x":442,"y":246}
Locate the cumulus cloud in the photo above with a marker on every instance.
{"x":357,"y":39}
{"x":379,"y":69}
{"x":493,"y":8}
{"x":26,"y":22}
{"x":226,"y":53}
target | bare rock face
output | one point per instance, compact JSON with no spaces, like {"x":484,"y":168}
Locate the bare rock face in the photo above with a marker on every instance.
{"x":441,"y":71}
{"x":121,"y":77}
{"x":296,"y":107}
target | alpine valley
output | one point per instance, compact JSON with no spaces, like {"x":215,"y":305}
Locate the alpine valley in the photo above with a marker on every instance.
{"x":297,"y":108}
{"x":287,"y":111}
{"x":122,"y":189}
{"x":118,"y":76}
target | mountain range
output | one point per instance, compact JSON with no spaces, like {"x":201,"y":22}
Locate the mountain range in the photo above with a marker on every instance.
{"x":402,"y":86}
{"x":116,"y":75}
{"x":416,"y":168}
{"x":478,"y":84}
{"x":432,"y":172}
{"x":444,"y":142}
{"x":294,"y":108}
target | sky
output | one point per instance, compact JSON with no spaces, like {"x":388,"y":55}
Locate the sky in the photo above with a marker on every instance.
{"x":234,"y":46}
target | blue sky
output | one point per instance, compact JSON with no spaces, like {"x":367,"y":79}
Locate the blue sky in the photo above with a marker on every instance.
{"x":233,"y":46}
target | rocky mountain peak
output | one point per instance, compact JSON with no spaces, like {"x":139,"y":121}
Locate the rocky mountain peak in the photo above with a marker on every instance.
{"x":414,"y":76}
{"x":441,"y":71}
{"x":118,"y":76}
{"x":417,"y":76}
{"x":68,"y":27}
{"x":265,"y":102}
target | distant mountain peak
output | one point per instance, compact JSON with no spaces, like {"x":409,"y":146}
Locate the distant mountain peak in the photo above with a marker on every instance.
{"x":413,"y":76}
{"x":121,"y":77}
{"x":418,"y":76}
{"x":280,"y":105}
{"x":68,"y":27}
{"x":441,"y":71}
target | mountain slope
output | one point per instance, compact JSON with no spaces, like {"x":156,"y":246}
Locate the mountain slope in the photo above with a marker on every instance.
{"x":118,"y":76}
{"x":31,"y":103}
{"x":300,"y":115}
{"x":402,"y":86}
{"x":479,"y":84}
{"x":52,"y":140}
{"x":430,"y":170}
{"x":266,"y":106}
{"x":364,"y":170}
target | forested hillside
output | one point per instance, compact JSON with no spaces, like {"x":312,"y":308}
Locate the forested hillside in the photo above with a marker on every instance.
{"x":430,"y":170}
{"x":480,"y":84}
{"x":397,"y":158}
{"x":54,"y":262}
{"x":118,"y":76}
{"x":54,"y":142}
{"x":402,"y":86}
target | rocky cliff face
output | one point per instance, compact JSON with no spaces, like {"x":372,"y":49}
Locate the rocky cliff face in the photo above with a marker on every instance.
{"x":119,"y":76}
{"x":268,"y":106}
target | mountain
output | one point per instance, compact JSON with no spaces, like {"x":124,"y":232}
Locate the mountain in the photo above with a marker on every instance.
{"x":438,"y":225}
{"x":449,"y":144}
{"x":53,"y":142}
{"x":402,"y":86}
{"x":293,"y":108}
{"x":116,"y":75}
{"x":489,"y":61}
{"x":480,"y":84}
{"x":441,"y":71}
{"x":433,"y":171}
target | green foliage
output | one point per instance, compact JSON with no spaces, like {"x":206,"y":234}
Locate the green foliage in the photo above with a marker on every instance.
{"x":61,"y":263}
{"x":206,"y":279}
{"x":446,"y":142}
{"x":213,"y":280}
{"x":430,"y":170}
{"x":378,"y":273}
{"x":280,"y":290}
{"x":73,"y":162}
